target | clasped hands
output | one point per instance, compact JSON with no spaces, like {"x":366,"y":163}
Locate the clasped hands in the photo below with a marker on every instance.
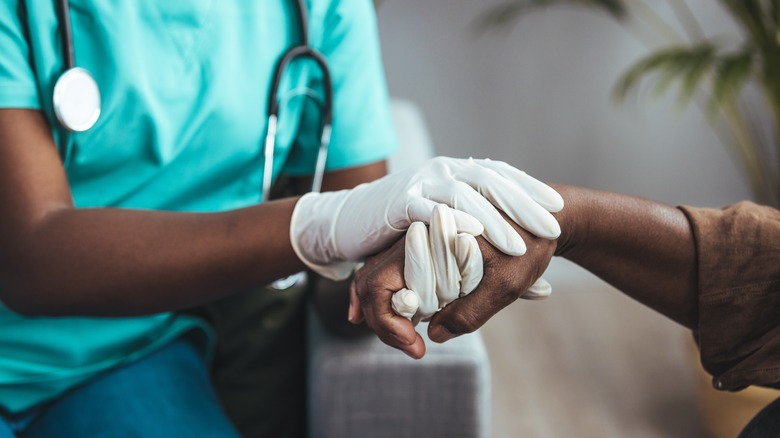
{"x":403,"y":285}
{"x":443,"y":272}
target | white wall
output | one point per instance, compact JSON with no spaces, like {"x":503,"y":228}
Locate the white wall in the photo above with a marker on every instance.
{"x":539,"y":98}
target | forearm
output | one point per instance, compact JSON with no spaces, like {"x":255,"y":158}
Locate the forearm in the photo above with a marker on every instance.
{"x":112,"y":262}
{"x":643,"y":248}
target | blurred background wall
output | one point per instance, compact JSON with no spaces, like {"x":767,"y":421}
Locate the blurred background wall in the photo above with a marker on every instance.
{"x":539,"y":98}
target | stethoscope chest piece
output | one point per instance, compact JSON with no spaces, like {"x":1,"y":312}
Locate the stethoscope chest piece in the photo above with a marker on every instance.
{"x":76,"y":100}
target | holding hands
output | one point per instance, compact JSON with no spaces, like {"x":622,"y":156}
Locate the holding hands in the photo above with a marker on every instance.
{"x":441,"y":265}
{"x":331,"y":232}
{"x":458,"y":271}
{"x":505,"y":279}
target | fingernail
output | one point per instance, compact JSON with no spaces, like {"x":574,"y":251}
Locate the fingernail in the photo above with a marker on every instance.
{"x":439,"y":333}
{"x":409,"y":354}
{"x":350,"y":315}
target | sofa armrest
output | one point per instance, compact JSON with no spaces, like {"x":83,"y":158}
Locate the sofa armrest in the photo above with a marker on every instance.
{"x":361,"y":387}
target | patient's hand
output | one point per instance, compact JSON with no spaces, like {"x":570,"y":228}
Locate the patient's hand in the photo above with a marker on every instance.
{"x":506,"y":279}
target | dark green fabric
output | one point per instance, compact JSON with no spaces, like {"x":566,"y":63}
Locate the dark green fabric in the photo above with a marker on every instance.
{"x":259,"y":364}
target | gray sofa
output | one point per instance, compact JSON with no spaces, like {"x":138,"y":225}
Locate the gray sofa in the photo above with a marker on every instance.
{"x":359,"y":387}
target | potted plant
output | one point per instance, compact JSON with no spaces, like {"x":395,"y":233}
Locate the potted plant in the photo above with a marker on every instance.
{"x":712,"y":71}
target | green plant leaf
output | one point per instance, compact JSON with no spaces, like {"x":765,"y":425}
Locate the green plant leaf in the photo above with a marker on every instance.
{"x":701,"y":63}
{"x":730,"y":75}
{"x":751,"y":16}
{"x":774,"y":12}
{"x":688,"y":65}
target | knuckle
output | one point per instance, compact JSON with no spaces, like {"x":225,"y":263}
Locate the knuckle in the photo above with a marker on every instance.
{"x":506,"y":287}
{"x":359,"y":275}
{"x":387,"y":338}
{"x":372,"y":286}
{"x":364,"y":298}
{"x":503,"y":293}
{"x":362,"y":290}
{"x":511,"y":292}
{"x":463,"y":322}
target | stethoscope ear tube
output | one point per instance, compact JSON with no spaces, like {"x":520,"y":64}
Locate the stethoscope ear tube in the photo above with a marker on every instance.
{"x":66,"y":34}
{"x":322,"y":158}
{"x":268,"y":163}
{"x":290,"y":56}
{"x":301,"y":51}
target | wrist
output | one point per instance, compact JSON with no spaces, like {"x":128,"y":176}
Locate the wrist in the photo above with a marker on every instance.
{"x":311,"y":234}
{"x":571,"y":220}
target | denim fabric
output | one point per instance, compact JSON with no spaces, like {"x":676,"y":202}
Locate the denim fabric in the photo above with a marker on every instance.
{"x":164,"y":395}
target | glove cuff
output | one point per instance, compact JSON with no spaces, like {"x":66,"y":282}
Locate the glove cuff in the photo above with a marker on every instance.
{"x":311,"y":236}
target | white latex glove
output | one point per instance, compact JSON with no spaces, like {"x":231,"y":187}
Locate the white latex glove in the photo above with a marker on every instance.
{"x":333,"y":230}
{"x":440,"y":266}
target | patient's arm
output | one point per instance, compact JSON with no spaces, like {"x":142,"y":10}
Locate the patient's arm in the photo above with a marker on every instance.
{"x":643,"y":248}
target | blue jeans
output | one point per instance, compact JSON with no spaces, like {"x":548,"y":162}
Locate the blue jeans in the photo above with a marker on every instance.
{"x":167,"y":394}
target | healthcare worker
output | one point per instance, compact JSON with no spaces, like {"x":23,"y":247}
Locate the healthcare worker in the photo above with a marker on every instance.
{"x":156,"y":208}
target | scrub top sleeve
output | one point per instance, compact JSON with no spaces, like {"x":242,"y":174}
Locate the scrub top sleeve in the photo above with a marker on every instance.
{"x":17,"y":82}
{"x":363,"y":130}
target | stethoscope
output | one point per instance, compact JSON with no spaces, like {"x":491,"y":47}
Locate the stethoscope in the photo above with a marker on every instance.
{"x":76,"y":96}
{"x":76,"y":101}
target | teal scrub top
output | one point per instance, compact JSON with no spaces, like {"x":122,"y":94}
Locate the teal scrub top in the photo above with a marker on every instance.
{"x":185,"y":93}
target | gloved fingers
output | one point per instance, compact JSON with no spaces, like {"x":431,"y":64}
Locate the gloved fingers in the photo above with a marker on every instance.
{"x":419,"y":273}
{"x":538,"y":291}
{"x":512,"y":198}
{"x":470,"y":264}
{"x":527,"y":213}
{"x":461,"y":196}
{"x":420,"y":209}
{"x":540,"y":192}
{"x":405,"y":303}
{"x":442,"y":235}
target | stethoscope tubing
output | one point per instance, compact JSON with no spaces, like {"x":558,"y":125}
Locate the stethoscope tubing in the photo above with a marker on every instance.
{"x":66,"y":34}
{"x":300,"y":51}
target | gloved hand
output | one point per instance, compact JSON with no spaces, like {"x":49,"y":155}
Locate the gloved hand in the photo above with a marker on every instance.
{"x":333,"y":230}
{"x":439,"y":266}
{"x":442,"y":265}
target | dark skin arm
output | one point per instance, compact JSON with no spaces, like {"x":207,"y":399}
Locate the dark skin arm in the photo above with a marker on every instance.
{"x":344,"y":179}
{"x":58,"y":260}
{"x":642,"y":247}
